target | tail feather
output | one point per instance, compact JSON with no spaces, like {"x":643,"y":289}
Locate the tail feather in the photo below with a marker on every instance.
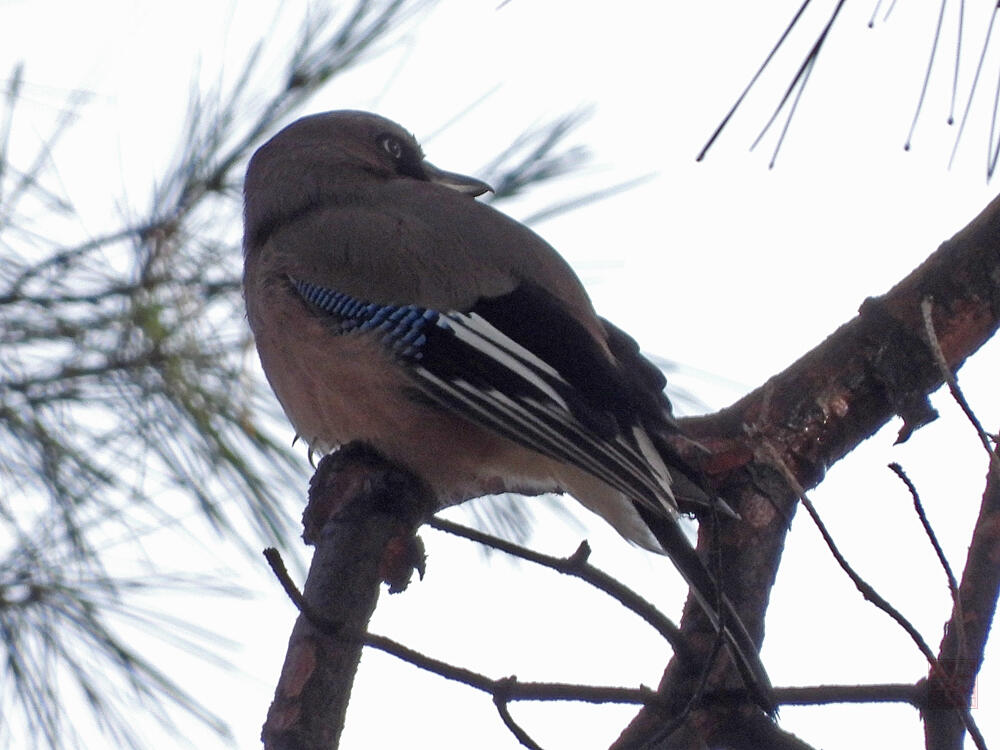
{"x":715,"y":604}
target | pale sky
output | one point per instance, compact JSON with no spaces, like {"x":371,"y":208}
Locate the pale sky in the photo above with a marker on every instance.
{"x":724,"y":266}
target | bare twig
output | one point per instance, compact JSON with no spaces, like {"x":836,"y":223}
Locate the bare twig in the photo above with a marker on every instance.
{"x":507,"y":689}
{"x":816,"y":695}
{"x":918,"y":507}
{"x":502,"y":690}
{"x":512,"y":689}
{"x":927,"y":311}
{"x":576,"y":565}
{"x":869,"y":593}
{"x":863,"y":586}
{"x":962,"y":649}
{"x":501,"y":702}
{"x":277,"y":565}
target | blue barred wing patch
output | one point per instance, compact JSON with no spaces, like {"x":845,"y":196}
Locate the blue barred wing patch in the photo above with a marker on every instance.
{"x":403,"y":328}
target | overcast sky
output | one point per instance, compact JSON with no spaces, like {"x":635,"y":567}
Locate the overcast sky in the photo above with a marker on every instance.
{"x":725,"y":266}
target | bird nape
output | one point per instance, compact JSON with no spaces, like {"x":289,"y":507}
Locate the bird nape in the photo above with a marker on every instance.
{"x":389,"y":307}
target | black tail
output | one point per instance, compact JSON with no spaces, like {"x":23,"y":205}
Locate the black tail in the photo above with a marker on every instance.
{"x":716,"y":605}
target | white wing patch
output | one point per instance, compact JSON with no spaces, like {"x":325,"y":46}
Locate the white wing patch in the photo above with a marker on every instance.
{"x":539,"y":417}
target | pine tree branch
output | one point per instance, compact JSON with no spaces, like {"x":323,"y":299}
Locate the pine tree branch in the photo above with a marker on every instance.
{"x":874,"y":367}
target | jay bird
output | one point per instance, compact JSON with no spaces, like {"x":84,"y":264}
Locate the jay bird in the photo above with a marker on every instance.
{"x":392,"y":308}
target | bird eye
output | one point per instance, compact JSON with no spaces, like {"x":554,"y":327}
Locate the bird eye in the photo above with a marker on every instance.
{"x":392,"y":146}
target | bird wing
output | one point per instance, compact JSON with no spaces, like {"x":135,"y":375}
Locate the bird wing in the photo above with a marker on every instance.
{"x":521,"y":365}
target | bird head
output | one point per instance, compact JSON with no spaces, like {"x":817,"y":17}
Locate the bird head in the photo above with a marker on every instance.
{"x":337,"y":156}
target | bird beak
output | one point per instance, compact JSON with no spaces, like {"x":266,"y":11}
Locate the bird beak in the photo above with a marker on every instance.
{"x":460,"y":182}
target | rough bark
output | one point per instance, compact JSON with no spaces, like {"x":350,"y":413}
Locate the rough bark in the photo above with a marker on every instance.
{"x":361,"y":517}
{"x":808,"y":417}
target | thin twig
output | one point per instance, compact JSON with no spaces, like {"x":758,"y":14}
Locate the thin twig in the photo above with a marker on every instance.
{"x":963,"y":646}
{"x":502,"y":691}
{"x":863,"y":586}
{"x":277,"y":564}
{"x":817,"y":695}
{"x":511,"y":688}
{"x":958,"y":618}
{"x":927,"y":310}
{"x":507,"y":689}
{"x":500,"y":701}
{"x":576,"y":565}
{"x":866,"y":589}
{"x":918,"y":506}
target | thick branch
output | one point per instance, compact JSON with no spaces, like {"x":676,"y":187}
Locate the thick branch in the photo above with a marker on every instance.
{"x":961,"y":653}
{"x":361,"y":512}
{"x":874,"y":367}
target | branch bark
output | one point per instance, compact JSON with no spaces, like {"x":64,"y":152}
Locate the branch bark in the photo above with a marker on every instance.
{"x":361,"y":517}
{"x":961,"y":654}
{"x":874,"y":367}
